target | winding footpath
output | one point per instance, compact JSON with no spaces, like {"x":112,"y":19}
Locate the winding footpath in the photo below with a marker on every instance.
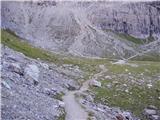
{"x":73,"y":109}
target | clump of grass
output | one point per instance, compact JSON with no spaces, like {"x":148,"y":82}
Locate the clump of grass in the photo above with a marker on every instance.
{"x":58,"y":96}
{"x":131,"y":38}
{"x":62,"y":116}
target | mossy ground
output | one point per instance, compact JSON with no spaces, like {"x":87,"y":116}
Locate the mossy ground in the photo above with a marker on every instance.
{"x":126,"y":77}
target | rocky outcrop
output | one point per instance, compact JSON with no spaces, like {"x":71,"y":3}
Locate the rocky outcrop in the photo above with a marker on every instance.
{"x":152,"y":113}
{"x":30,"y":89}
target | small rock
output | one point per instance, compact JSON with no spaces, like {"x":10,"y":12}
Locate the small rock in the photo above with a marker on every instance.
{"x":109,"y":85}
{"x":126,"y":70}
{"x":89,"y":98}
{"x":15,"y":67}
{"x":95,"y":83}
{"x":127,"y":115}
{"x":150,"y":112}
{"x":44,"y":65}
{"x":155,"y":117}
{"x":149,"y":85}
{"x":152,"y":107}
{"x":120,"y":62}
{"x":5,"y":84}
{"x":126,"y":90}
{"x":120,"y":117}
{"x":108,"y":77}
{"x":70,"y":87}
{"x":61,"y":103}
{"x":101,"y":110}
{"x":125,"y":85}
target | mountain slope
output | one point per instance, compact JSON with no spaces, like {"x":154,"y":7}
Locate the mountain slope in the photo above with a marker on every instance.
{"x":81,"y":28}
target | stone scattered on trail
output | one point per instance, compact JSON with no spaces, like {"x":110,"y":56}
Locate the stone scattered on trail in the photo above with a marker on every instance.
{"x":95,"y":83}
{"x":32,"y":71}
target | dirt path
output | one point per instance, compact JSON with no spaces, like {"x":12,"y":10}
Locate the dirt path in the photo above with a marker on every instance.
{"x":74,"y":110}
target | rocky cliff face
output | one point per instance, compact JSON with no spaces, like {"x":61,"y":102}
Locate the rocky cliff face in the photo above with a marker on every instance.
{"x":81,"y":28}
{"x":137,"y":19}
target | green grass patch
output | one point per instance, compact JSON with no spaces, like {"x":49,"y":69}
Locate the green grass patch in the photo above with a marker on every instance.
{"x":143,"y":67}
{"x":138,"y":97}
{"x":59,"y":96}
{"x":131,"y":38}
{"x":62,"y":117}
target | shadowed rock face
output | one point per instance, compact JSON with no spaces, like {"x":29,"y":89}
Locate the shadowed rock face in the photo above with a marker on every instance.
{"x":80,"y":27}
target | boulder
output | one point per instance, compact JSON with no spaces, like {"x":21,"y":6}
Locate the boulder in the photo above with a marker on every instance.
{"x":61,"y":104}
{"x":127,"y":115}
{"x":15,"y":67}
{"x":120,"y":117}
{"x":155,"y":117}
{"x":95,"y":83}
{"x":44,"y":65}
{"x":150,"y":112}
{"x":70,"y":87}
{"x":152,"y":107}
{"x":32,"y":72}
{"x":5,"y":84}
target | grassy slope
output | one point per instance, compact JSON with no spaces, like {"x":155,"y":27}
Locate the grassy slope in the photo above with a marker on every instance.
{"x":135,"y":81}
{"x":9,"y":39}
{"x":133,"y":39}
{"x":141,"y":95}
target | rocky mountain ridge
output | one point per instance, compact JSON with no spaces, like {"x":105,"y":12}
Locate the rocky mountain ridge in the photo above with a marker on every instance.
{"x":84,"y":28}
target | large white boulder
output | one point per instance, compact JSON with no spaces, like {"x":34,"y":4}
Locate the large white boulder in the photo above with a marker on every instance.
{"x":32,"y":71}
